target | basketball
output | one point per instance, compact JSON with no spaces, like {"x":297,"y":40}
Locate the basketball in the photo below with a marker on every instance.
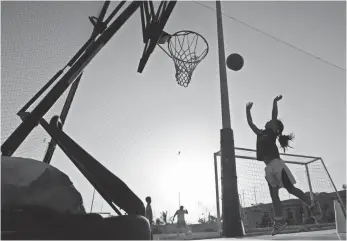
{"x":235,"y":62}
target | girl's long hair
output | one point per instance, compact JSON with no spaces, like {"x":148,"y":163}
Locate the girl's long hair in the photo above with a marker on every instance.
{"x":283,"y":139}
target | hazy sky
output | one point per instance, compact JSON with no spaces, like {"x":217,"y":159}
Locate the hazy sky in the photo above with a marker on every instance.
{"x":135,"y":124}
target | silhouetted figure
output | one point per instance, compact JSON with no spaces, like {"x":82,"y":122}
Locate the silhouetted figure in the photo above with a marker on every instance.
{"x":181,"y":222}
{"x":149,"y":214}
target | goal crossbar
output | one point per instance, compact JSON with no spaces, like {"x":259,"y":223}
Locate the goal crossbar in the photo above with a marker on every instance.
{"x":218,"y":153}
{"x":286,"y":161}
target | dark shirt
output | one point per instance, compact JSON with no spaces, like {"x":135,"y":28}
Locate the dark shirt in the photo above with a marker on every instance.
{"x":149,"y":214}
{"x":266,"y":146}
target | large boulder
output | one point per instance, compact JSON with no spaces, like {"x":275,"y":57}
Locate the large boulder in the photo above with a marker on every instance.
{"x":28,"y":182}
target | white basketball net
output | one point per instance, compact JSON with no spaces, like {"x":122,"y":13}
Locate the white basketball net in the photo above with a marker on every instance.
{"x":186,"y":53}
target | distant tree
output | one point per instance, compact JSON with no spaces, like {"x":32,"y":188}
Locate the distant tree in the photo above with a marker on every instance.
{"x":163,"y":217}
{"x":211,"y":219}
{"x":158,"y":222}
{"x":202,"y":220}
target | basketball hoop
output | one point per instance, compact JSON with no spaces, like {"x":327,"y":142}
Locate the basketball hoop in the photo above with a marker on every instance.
{"x":187,"y":49}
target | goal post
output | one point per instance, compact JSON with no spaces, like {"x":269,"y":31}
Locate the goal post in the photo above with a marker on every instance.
{"x":312,"y":178}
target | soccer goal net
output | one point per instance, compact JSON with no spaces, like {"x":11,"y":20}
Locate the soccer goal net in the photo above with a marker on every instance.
{"x":311,"y":175}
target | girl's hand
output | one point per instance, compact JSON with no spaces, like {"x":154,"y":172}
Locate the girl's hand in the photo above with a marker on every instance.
{"x":278,"y":98}
{"x":249,"y":105}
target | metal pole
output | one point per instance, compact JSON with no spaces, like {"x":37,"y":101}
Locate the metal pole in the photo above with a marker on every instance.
{"x":282,"y":154}
{"x":217,"y":191}
{"x":337,"y":193}
{"x":23,"y":130}
{"x":179,"y":200}
{"x":254,"y":158}
{"x":243,"y":198}
{"x":91,"y":206}
{"x":222,"y":69}
{"x":309,"y":185}
{"x":52,"y":145}
{"x":232,"y":226}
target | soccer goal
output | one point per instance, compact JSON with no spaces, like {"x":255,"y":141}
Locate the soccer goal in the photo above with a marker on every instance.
{"x":311,"y":175}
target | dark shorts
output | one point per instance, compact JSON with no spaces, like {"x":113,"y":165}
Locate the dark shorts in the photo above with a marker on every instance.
{"x":181,"y":224}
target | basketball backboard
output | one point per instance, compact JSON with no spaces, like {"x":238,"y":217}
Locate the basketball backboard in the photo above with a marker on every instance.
{"x":153,"y":22}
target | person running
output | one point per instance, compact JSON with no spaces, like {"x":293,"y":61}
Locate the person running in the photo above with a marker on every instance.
{"x":149,"y":213}
{"x":181,"y":222}
{"x":277,"y":174}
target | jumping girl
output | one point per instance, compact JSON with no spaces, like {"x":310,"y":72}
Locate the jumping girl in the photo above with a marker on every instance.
{"x":277,"y":174}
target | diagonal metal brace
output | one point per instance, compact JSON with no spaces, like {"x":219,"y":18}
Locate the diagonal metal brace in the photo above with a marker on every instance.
{"x":110,"y":187}
{"x":52,"y":144}
{"x":24,"y":129}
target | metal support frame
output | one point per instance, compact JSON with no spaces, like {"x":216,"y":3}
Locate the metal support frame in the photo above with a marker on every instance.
{"x":63,"y":115}
{"x":110,"y":187}
{"x":24,"y":129}
{"x":151,"y":37}
{"x":92,"y":204}
{"x":254,"y":158}
{"x":81,"y":59}
{"x":99,"y":27}
{"x":309,"y":184}
{"x":40,"y":92}
{"x":337,"y":193}
{"x":96,"y":31}
{"x":282,"y":154}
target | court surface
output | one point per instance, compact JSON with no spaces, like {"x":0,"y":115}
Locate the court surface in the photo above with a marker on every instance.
{"x":315,"y":235}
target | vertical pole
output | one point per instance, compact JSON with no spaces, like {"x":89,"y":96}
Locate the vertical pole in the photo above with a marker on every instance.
{"x":243,"y":197}
{"x":179,"y":200}
{"x":221,"y":193}
{"x":337,"y":193}
{"x":232,"y":226}
{"x":91,"y":206}
{"x":309,"y":184}
{"x":245,"y":222}
{"x":217,"y":191}
{"x":222,"y":69}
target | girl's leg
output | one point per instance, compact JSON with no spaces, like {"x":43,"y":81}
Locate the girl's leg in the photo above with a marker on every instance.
{"x":279,"y":223}
{"x":276,"y":202}
{"x":314,"y":206}
{"x":294,"y":190}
